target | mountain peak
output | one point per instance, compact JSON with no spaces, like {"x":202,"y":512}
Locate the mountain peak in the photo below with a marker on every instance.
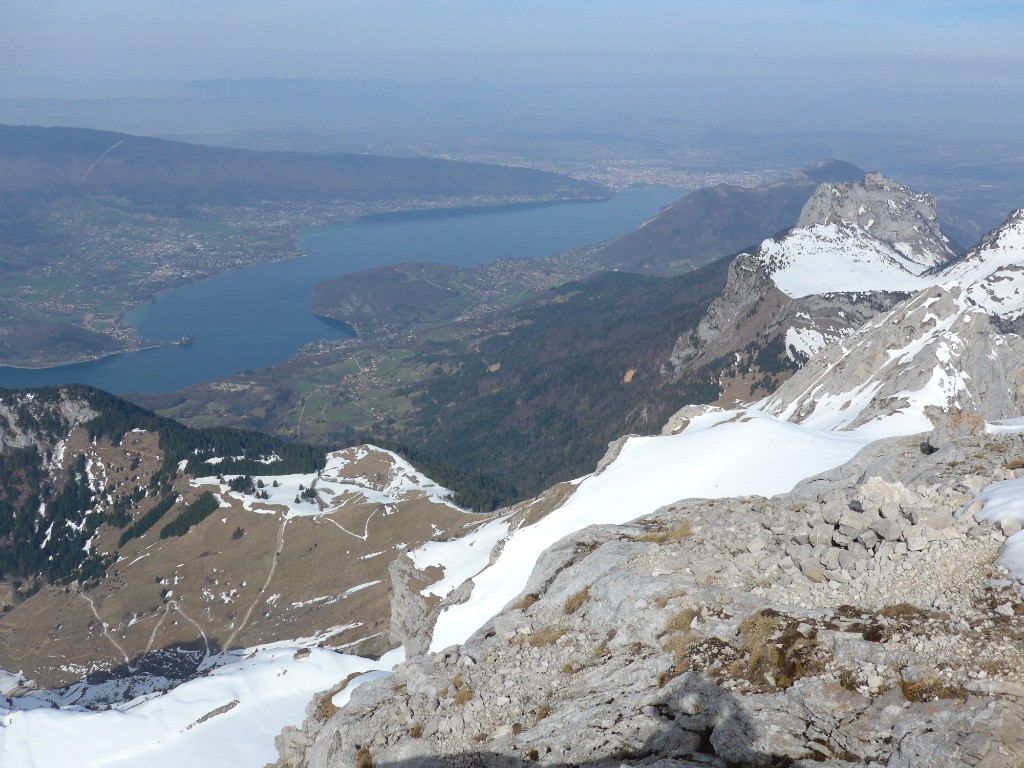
{"x":832,"y":171}
{"x":1009,"y":233}
{"x":993,"y":273}
{"x":888,"y":210}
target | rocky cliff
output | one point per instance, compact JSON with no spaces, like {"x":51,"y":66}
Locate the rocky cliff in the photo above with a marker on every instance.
{"x":858,"y":249}
{"x":890,"y":211}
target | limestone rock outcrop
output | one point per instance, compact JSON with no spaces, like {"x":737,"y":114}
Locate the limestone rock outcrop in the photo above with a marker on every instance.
{"x":858,"y":620}
{"x":934,"y":350}
{"x":890,"y":211}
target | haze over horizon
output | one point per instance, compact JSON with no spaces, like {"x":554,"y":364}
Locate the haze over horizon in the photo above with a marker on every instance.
{"x":943,"y":68}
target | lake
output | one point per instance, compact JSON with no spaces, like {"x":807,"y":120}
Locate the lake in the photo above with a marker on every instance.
{"x":258,"y":316}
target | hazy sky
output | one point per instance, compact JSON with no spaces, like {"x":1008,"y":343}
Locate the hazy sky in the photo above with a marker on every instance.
{"x":970,"y":44}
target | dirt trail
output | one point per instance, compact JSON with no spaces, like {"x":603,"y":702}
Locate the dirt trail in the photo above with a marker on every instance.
{"x":263,"y":589}
{"x":106,"y":631}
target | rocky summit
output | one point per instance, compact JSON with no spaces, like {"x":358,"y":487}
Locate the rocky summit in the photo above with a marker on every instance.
{"x":861,"y":619}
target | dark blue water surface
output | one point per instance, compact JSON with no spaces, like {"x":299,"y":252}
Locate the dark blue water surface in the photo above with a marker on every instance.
{"x":261,"y":315}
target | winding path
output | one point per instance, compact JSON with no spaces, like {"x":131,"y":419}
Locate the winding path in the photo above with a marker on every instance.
{"x":263,"y":589}
{"x":106,"y":631}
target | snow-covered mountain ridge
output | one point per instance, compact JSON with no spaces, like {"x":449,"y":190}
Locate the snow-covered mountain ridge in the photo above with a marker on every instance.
{"x":860,"y":248}
{"x":844,"y":258}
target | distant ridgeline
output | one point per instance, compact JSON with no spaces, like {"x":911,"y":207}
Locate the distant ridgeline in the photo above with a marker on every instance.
{"x":50,"y":514}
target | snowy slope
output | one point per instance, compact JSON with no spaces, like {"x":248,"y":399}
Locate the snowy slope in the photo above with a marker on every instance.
{"x":932,"y":351}
{"x":837,"y":258}
{"x":364,"y":474}
{"x":993,"y":271}
{"x":227,"y":718}
{"x":1005,"y":501}
{"x":720,"y":454}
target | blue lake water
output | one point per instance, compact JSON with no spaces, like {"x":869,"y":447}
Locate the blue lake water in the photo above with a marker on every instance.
{"x":261,"y":315}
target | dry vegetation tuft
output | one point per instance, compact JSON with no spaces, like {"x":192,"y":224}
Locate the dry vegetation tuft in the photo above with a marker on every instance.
{"x":576,"y":602}
{"x":777,"y":653}
{"x":930,"y":689}
{"x":675,"y":533}
{"x":525,"y":602}
{"x":681,"y":621}
{"x":679,"y":646}
{"x":546,"y":636}
{"x":662,"y":600}
{"x":904,"y":611}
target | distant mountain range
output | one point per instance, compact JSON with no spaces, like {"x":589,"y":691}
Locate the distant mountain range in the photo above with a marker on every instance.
{"x":161,"y":173}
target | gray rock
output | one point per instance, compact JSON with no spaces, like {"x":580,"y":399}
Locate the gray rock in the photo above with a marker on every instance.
{"x":811,"y":568}
{"x":892,"y":212}
{"x":869,"y":538}
{"x":411,"y":617}
{"x":1009,"y":527}
{"x":889,"y":529}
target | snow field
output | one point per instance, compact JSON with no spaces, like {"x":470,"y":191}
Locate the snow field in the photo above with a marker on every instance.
{"x":246,"y":703}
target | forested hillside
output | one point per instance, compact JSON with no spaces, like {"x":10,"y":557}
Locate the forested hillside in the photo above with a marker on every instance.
{"x":52,"y":501}
{"x":582,"y":366}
